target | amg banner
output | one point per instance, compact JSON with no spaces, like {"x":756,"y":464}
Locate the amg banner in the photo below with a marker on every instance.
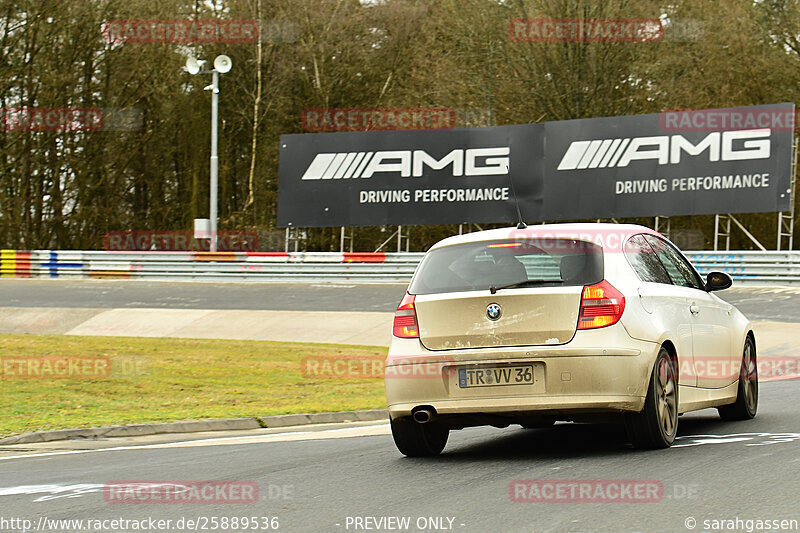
{"x":735,"y":160}
{"x":408,"y":177}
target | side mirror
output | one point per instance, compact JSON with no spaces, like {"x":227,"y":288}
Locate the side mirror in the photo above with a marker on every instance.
{"x":717,"y":281}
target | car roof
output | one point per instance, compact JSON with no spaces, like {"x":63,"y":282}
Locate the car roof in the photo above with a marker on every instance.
{"x":587,"y":231}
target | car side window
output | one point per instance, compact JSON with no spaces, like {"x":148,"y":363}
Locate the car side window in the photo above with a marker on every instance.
{"x":644,"y":261}
{"x":680,"y":271}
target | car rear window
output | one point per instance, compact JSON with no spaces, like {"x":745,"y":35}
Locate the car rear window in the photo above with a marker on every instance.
{"x":532,"y":262}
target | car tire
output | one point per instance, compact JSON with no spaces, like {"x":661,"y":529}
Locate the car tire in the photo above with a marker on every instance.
{"x":746,"y":404}
{"x":419,"y":440}
{"x":656,"y":425}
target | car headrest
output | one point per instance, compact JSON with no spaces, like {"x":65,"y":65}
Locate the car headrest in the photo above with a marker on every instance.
{"x":572,"y":266}
{"x":510,"y":270}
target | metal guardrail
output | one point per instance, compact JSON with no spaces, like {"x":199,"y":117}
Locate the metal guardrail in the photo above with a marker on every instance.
{"x":751,"y":267}
{"x":207,"y":266}
{"x":744,"y":266}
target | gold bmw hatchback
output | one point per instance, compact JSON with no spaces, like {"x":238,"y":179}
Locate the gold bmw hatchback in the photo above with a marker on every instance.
{"x":581,"y":322}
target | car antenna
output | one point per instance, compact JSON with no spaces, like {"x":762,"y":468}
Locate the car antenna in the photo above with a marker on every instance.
{"x":520,"y":223}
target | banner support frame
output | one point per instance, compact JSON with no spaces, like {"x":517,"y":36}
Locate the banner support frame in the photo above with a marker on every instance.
{"x":786,"y":218}
{"x":343,"y":237}
{"x":667,"y":229}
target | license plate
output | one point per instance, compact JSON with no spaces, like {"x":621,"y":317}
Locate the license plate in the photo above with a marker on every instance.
{"x":494,"y":376}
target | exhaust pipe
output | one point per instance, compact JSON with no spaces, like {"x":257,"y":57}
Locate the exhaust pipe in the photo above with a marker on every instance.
{"x":423,"y":416}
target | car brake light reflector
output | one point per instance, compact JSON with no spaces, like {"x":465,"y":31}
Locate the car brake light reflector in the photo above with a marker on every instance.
{"x":601,"y":305}
{"x":405,"y":319}
{"x":505,"y":245}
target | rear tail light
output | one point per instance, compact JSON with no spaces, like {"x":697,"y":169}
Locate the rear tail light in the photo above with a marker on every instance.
{"x":405,"y":319}
{"x":601,"y":305}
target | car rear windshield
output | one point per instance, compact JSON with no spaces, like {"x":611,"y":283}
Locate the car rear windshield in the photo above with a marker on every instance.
{"x":528,"y":263}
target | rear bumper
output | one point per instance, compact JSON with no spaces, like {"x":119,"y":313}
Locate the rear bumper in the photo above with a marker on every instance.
{"x":599,"y":371}
{"x":542,"y":405}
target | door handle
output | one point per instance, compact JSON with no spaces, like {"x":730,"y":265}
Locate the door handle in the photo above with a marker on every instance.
{"x":694,"y":309}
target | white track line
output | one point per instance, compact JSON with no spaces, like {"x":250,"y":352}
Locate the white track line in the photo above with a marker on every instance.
{"x":341,"y":433}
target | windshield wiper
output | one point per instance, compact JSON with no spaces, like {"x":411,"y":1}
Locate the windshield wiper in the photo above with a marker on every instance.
{"x":528,"y":282}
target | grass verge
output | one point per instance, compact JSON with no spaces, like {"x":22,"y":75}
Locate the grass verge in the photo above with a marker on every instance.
{"x":164,"y":380}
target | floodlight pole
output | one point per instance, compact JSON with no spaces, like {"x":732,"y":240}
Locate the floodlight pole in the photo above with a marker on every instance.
{"x":214,"y":161}
{"x":222,"y":64}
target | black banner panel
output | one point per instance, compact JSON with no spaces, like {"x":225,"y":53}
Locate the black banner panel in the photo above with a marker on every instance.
{"x":408,"y":177}
{"x":679,"y":163}
{"x":691,"y":162}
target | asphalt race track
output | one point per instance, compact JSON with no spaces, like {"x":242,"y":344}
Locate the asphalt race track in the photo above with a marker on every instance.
{"x":758,"y":303}
{"x":201,"y":295}
{"x":716,"y":471}
{"x":350,"y":477}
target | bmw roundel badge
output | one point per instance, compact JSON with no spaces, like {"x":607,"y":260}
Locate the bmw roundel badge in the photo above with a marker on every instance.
{"x":494,"y":311}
